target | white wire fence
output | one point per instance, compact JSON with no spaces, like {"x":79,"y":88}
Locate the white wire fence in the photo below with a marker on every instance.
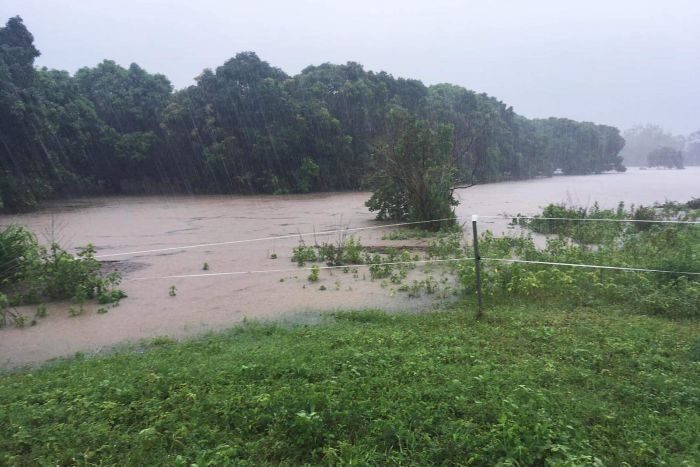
{"x":347,"y":230}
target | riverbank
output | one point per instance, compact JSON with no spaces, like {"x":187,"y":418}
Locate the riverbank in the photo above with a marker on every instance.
{"x":526,"y":385}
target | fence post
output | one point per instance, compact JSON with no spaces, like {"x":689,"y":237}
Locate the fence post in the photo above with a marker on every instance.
{"x":477,"y":263}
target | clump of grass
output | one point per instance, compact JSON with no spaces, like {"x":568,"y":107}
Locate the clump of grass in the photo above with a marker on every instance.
{"x":313,"y":276}
{"x":303,"y":254}
{"x":172,"y":291}
{"x":415,"y":233}
{"x":205,"y":266}
{"x":41,"y":311}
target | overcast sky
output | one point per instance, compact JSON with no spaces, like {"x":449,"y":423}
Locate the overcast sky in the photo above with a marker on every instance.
{"x":618,"y":62}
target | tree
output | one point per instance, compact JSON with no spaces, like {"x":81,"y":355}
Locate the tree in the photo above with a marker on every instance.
{"x":643,"y":139}
{"x":248,"y":127}
{"x":130,"y":103}
{"x":665,"y":157}
{"x":414,"y":173}
{"x":692,"y":149}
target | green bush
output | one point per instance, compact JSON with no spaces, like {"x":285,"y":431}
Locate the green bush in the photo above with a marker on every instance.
{"x":303,"y":254}
{"x":32,"y":273}
{"x":669,"y":247}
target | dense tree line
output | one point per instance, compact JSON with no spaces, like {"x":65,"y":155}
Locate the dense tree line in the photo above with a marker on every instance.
{"x":248,"y":127}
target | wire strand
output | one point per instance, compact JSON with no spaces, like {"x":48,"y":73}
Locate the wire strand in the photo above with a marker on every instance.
{"x":591,"y":219}
{"x":592,"y":266}
{"x":266,"y":271}
{"x":426,"y":261}
{"x":277,"y":237}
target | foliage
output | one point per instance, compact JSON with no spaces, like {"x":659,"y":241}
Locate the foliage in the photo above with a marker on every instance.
{"x":30,"y":273}
{"x":665,"y":247}
{"x":414,"y":176}
{"x":313,"y":276}
{"x":640,"y":140}
{"x":409,"y":233}
{"x":369,"y":388}
{"x":302,"y":254}
{"x":665,"y":157}
{"x":347,"y":250}
{"x":248,"y":127}
{"x":692,"y":149}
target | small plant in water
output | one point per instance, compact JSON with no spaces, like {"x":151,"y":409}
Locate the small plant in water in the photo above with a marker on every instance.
{"x":172,"y":291}
{"x":41,"y":311}
{"x":20,"y":320}
{"x":313,"y":277}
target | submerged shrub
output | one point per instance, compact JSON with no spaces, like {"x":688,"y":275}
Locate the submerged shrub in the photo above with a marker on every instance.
{"x":31,"y":273}
{"x":303,"y":254}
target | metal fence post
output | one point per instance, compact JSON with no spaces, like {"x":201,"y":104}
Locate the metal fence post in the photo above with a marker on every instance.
{"x":477,"y":263}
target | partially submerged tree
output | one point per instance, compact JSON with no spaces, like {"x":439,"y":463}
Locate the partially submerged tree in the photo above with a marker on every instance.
{"x":414,"y":173}
{"x":692,"y":149}
{"x":665,"y":157}
{"x":643,"y":139}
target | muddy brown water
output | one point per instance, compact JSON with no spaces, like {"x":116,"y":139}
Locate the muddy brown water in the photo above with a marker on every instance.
{"x":125,"y":224}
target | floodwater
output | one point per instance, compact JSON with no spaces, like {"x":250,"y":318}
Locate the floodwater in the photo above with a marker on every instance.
{"x":127,"y":224}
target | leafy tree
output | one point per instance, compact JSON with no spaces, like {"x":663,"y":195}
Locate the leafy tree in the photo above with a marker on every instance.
{"x":23,"y":157}
{"x":692,"y":149}
{"x":130,"y":103}
{"x":665,"y":157}
{"x":643,"y":139}
{"x":414,"y":172}
{"x":248,"y":127}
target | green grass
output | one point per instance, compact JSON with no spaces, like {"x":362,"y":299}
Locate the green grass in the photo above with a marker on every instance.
{"x":525,"y":386}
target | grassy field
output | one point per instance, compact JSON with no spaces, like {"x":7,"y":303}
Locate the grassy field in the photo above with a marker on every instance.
{"x":525,"y":386}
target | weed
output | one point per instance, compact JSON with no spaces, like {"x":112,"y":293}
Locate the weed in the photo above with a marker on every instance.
{"x":313,"y":276}
{"x":172,"y":291}
{"x":111,"y":296}
{"x":32,"y":273}
{"x":303,"y":254}
{"x":20,"y":321}
{"x":41,"y":311}
{"x":205,"y":267}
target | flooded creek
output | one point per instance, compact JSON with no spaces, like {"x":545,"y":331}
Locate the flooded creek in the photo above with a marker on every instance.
{"x":119,"y":225}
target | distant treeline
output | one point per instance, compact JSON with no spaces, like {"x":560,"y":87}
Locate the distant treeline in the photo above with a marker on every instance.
{"x":250,"y":128}
{"x":644,"y":144}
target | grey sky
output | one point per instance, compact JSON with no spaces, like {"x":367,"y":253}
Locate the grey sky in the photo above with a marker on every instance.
{"x":618,"y":62}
